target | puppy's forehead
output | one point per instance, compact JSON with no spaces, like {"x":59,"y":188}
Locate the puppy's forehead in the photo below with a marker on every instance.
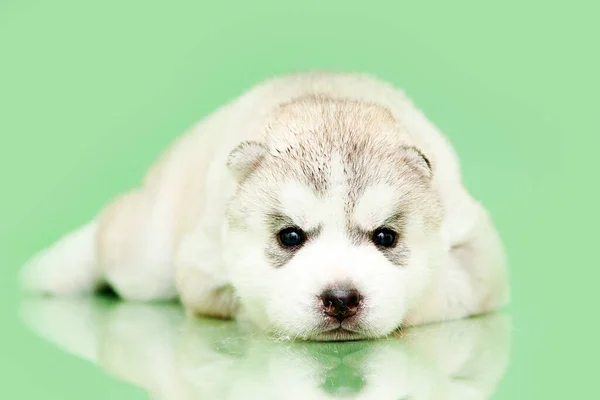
{"x":309,"y":138}
{"x":339,"y":160}
{"x":311,"y":206}
{"x":377,"y":203}
{"x":300,"y":203}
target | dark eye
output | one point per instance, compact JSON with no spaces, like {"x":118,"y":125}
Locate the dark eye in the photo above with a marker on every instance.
{"x":384,"y":237}
{"x":291,"y":237}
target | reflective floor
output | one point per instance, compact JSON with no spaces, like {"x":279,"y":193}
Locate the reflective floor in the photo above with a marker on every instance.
{"x":167,"y":356}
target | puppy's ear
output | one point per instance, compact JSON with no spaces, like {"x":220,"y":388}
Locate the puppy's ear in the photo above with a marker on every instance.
{"x":244,"y":159}
{"x":418,"y":161}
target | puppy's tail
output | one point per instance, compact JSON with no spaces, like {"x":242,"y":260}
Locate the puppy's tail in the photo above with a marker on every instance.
{"x":69,"y":267}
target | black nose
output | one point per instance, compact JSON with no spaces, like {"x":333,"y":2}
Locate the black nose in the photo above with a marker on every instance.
{"x":340,"y":303}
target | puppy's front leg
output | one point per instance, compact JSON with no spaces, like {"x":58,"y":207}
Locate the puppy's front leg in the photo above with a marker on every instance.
{"x":200,"y":278}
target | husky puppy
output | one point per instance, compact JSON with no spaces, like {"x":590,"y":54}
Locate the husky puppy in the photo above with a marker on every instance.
{"x":319,"y":205}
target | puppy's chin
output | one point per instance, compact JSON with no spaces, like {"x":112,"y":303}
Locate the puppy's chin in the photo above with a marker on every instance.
{"x":325,"y":329}
{"x":334,"y":334}
{"x":342,"y":333}
{"x":338,"y":335}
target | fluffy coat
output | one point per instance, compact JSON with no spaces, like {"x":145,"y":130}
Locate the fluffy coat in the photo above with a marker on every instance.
{"x":336,"y":153}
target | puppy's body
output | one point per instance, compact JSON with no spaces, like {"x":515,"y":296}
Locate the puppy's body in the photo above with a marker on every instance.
{"x":313,"y":144}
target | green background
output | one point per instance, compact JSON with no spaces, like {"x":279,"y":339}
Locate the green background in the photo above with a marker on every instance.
{"x":91,"y":92}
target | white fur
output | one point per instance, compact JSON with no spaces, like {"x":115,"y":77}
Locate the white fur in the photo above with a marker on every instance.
{"x":171,"y":236}
{"x":375,"y":205}
{"x":300,"y":204}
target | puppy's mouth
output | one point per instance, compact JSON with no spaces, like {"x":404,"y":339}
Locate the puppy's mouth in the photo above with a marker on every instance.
{"x":340,"y":332}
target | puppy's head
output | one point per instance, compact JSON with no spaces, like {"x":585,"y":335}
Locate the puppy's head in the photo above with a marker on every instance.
{"x":334,"y":228}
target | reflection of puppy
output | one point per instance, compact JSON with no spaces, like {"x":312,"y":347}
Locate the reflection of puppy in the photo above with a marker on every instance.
{"x":156,"y":348}
{"x":324,"y":204}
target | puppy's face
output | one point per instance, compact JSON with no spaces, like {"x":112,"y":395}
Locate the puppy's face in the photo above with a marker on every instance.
{"x":334,"y":230}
